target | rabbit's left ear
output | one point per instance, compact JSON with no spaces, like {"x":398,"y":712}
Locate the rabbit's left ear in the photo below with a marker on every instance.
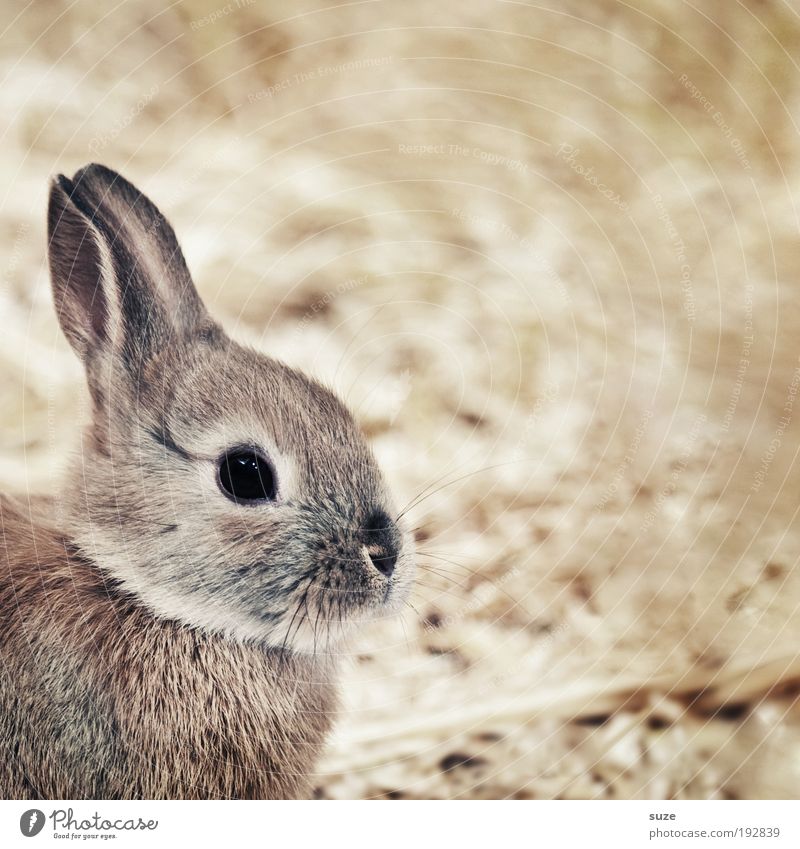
{"x":120,"y":282}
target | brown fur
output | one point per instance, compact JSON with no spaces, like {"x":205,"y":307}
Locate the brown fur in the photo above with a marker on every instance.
{"x":99,"y":699}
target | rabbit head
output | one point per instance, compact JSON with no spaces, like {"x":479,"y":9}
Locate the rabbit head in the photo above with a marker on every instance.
{"x":217,"y":486}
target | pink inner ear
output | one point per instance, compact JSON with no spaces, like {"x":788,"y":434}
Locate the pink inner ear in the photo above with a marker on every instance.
{"x":76,"y":271}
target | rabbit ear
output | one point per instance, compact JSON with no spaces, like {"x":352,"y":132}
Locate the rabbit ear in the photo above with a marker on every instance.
{"x":120,"y":282}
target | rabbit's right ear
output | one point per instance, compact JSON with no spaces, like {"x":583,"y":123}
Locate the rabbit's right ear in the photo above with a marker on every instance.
{"x":120,"y":283}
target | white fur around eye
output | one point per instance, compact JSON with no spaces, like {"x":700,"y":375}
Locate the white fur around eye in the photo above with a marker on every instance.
{"x":211,"y":445}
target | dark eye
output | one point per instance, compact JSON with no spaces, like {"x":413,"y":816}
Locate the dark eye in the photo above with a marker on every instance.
{"x":245,"y":475}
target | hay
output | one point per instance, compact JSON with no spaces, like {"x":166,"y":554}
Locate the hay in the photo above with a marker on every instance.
{"x":549,"y":255}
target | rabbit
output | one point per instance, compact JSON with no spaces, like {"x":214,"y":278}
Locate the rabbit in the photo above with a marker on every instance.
{"x":169,"y":622}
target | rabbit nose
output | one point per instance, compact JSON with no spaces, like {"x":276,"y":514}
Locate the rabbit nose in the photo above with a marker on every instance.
{"x":380,"y":537}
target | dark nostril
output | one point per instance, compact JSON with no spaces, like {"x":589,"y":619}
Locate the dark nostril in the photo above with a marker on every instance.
{"x":384,"y":562}
{"x":380,"y":536}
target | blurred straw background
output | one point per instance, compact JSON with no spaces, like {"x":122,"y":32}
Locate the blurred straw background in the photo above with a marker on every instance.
{"x":549,"y":254}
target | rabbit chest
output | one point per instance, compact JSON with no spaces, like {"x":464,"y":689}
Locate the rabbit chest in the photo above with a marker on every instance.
{"x":99,"y":699}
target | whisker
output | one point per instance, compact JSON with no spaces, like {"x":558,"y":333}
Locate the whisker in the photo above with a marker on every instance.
{"x":444,"y":575}
{"x":448,"y":591}
{"x":472,"y":572}
{"x":424,"y":495}
{"x":443,"y":569}
{"x":460,"y":566}
{"x":405,"y":630}
{"x":413,"y":607}
{"x":301,"y":603}
{"x":449,"y":554}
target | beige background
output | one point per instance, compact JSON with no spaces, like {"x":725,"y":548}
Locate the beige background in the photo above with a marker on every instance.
{"x":548,"y":253}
